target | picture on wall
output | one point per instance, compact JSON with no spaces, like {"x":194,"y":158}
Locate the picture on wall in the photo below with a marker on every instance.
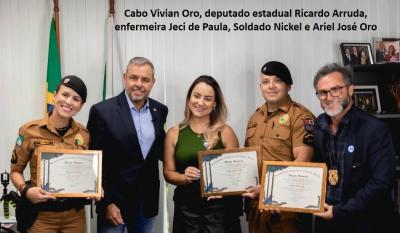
{"x":367,"y":98}
{"x":387,"y":50}
{"x":356,"y":53}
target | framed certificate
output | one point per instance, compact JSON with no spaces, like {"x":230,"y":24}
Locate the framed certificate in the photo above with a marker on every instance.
{"x":229,"y":171}
{"x":70,"y":173}
{"x":293,"y":186}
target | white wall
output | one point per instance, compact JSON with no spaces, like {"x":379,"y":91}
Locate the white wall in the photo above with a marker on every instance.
{"x":233,"y":58}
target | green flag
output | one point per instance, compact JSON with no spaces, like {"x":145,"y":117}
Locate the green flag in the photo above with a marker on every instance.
{"x":53,"y":67}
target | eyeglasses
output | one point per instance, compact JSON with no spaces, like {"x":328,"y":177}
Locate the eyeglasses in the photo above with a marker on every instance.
{"x":334,"y":91}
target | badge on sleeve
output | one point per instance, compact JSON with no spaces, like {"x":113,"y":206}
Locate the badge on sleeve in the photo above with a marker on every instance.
{"x":20,"y":139}
{"x":79,"y":139}
{"x":308,"y":124}
{"x":308,"y":139}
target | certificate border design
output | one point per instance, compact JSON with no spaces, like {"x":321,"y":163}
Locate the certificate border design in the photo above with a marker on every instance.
{"x":215,"y":154}
{"x":60,"y":152}
{"x":276,"y":165}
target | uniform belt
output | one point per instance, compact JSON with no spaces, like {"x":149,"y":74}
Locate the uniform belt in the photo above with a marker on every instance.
{"x":62,"y":204}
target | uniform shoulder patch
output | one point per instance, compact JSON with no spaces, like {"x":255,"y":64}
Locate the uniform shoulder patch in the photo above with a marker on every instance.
{"x":308,"y":122}
{"x":308,"y":139}
{"x":20,"y":140}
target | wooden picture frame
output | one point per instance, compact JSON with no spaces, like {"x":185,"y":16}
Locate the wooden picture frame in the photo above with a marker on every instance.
{"x":70,"y":173}
{"x":356,"y":54}
{"x":293,"y":186}
{"x":229,"y":171}
{"x":367,"y":98}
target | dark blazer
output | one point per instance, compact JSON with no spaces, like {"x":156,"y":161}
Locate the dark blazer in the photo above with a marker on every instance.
{"x":128,"y":179}
{"x":367,"y":203}
{"x":380,"y":55}
{"x":355,"y":59}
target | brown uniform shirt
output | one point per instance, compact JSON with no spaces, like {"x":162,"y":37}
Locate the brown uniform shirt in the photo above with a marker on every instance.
{"x":288,"y":127}
{"x":41,"y":134}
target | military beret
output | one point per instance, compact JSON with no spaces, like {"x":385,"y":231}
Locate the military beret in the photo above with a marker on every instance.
{"x":75,"y":84}
{"x":278,"y":69}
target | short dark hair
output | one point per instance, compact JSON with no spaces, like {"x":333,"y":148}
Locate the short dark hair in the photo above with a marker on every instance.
{"x":141,"y":61}
{"x":330,"y":68}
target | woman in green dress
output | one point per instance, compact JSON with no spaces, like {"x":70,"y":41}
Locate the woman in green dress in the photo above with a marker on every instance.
{"x":204,"y":128}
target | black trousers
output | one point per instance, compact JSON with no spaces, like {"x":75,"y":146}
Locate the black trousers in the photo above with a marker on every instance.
{"x":208,"y":218}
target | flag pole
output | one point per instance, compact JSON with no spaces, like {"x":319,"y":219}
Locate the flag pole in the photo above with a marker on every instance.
{"x":57,"y":21}
{"x":108,"y":89}
{"x":112,"y":10}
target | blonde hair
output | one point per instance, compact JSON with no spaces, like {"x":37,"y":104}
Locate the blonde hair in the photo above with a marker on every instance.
{"x":218,"y":114}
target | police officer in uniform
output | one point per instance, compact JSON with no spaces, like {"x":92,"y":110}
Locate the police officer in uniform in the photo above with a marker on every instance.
{"x":283,"y":130}
{"x":55,"y":130}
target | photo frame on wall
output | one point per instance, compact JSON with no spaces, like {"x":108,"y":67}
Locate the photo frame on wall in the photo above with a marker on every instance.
{"x":387,"y":50}
{"x":356,"y":53}
{"x":367,"y":98}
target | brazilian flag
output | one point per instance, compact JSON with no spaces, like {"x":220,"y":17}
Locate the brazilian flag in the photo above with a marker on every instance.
{"x":53,"y":67}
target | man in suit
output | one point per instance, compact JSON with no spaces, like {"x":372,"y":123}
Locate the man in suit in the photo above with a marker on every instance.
{"x":347,"y":57}
{"x":380,"y":52}
{"x":355,"y":56}
{"x":129,"y":129}
{"x":360,"y":156}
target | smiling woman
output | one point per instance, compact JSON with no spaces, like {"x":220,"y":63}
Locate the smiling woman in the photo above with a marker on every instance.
{"x":203,"y":128}
{"x":56,"y":130}
{"x":68,"y":100}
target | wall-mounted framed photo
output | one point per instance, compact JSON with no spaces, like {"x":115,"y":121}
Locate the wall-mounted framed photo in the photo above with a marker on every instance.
{"x":367,"y":98}
{"x":356,"y":53}
{"x":70,"y":173}
{"x":293,"y":186}
{"x":387,"y":50}
{"x":228,"y":171}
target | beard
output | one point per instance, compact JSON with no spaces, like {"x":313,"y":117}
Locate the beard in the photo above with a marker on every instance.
{"x":343,"y":105}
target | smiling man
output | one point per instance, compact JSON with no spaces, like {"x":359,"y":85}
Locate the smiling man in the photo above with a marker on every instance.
{"x":283,"y":130}
{"x":129,"y":129}
{"x":360,"y":156}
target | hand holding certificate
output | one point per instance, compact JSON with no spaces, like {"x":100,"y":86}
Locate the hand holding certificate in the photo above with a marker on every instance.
{"x":229,"y":171}
{"x":293,"y":186}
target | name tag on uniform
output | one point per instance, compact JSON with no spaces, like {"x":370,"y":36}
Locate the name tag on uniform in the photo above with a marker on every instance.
{"x":43,"y":142}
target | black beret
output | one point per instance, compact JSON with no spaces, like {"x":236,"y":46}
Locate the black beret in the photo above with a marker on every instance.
{"x":278,"y":69}
{"x":75,"y":84}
